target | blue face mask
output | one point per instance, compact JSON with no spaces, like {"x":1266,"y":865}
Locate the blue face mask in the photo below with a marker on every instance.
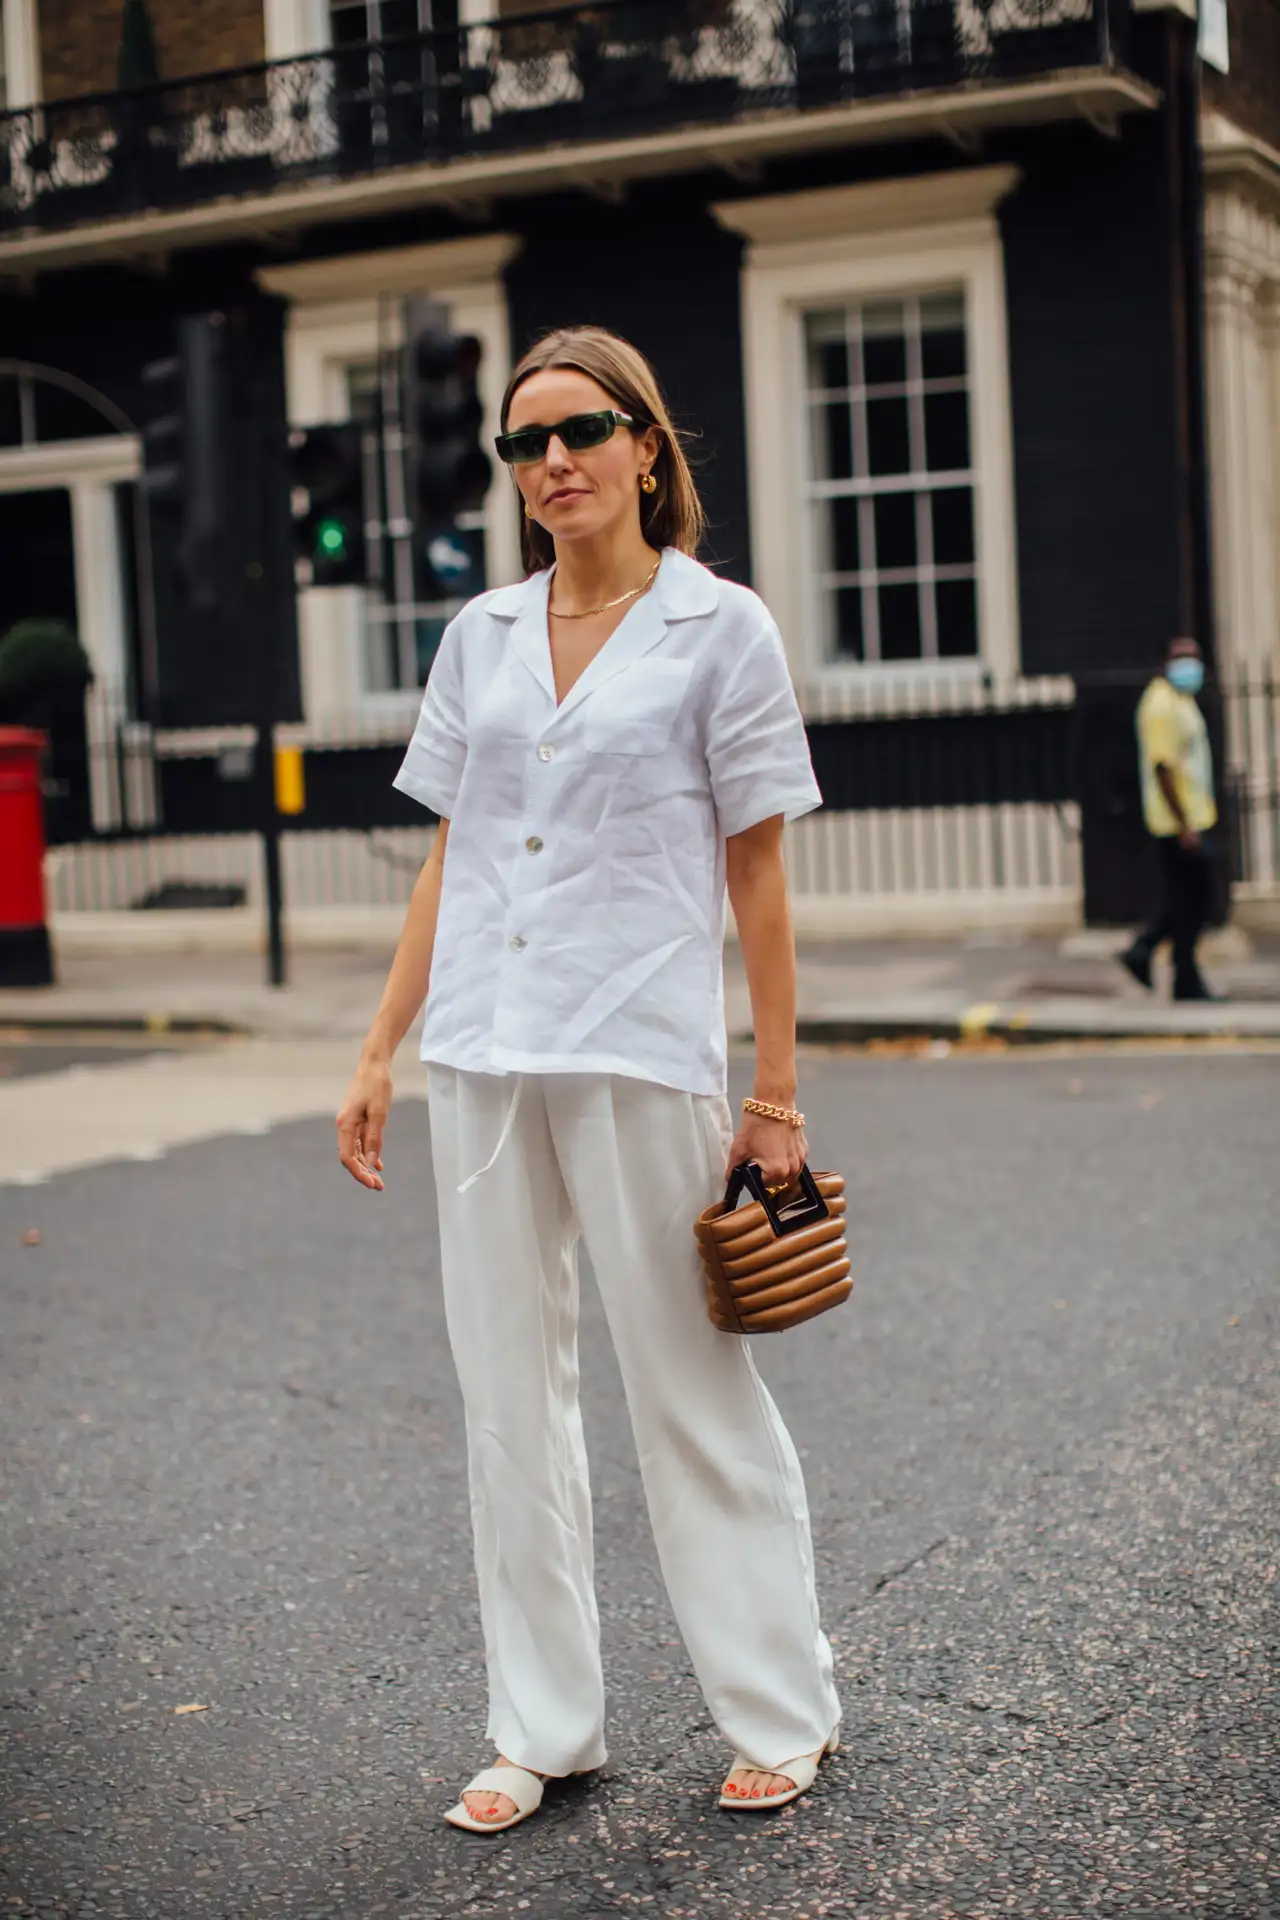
{"x":1186,"y":674}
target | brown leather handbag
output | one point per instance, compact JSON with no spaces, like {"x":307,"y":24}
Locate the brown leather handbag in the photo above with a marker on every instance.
{"x":781,"y":1259}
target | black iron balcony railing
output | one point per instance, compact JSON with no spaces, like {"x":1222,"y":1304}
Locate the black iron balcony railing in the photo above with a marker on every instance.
{"x":616,"y":68}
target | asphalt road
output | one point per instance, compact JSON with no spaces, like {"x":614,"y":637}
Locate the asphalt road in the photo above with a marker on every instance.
{"x":1041,"y":1445}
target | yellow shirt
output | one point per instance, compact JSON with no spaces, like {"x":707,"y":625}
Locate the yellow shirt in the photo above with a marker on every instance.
{"x":1172,"y":733}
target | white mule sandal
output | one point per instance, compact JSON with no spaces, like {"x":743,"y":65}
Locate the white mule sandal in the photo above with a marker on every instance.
{"x":519,"y":1785}
{"x":802,"y":1773}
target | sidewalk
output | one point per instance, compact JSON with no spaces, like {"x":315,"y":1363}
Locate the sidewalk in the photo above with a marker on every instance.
{"x":1024,"y":989}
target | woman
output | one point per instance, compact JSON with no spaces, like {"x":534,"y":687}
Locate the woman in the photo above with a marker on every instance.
{"x":607,"y":745}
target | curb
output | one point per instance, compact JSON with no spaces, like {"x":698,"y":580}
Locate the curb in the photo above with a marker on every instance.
{"x":983,"y":1025}
{"x":141,"y":1023}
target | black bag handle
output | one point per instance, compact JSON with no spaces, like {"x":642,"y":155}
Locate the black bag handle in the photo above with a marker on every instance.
{"x":788,"y":1217}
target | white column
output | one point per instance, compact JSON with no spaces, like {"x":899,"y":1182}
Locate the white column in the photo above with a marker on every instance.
{"x":292,"y":27}
{"x":95,"y":540}
{"x":1242,"y":369}
{"x":1269,"y":340}
{"x":1228,"y":301}
{"x":99,"y":585}
{"x":21,"y":53}
{"x":1263,"y":638}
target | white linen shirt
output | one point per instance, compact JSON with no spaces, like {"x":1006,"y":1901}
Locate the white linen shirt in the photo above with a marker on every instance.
{"x":581,"y":924}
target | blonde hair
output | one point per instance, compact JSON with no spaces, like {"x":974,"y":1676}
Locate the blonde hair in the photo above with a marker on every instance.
{"x":672,"y":515}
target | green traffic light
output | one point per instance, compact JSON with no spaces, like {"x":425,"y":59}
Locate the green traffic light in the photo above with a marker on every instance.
{"x":331,"y":539}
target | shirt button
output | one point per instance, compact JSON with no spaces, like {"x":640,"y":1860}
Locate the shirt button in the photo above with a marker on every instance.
{"x":517,"y":943}
{"x":546,"y":751}
{"x":533,"y":844}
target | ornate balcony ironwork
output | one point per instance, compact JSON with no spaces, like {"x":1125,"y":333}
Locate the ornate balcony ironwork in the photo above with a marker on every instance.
{"x":621,"y":67}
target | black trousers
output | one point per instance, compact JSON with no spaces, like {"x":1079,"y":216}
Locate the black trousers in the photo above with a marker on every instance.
{"x":1184,"y":910}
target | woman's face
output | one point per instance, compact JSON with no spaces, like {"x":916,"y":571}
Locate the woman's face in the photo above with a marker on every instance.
{"x":579,"y":496}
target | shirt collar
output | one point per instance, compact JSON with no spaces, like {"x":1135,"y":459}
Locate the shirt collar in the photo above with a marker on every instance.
{"x":683,"y":589}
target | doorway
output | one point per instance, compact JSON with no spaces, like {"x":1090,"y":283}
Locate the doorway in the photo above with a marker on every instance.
{"x":38,"y":577}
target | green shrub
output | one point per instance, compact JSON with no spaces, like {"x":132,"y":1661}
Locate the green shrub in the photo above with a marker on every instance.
{"x":40,"y":659}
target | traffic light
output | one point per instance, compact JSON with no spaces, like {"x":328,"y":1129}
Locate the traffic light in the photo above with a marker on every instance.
{"x":326,"y":478}
{"x":185,"y":465}
{"x":449,"y":471}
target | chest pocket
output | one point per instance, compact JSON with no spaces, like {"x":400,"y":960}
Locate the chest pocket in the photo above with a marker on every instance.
{"x":636,"y":710}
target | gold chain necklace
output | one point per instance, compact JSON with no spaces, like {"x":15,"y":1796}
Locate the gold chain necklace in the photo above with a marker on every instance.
{"x":606,"y":606}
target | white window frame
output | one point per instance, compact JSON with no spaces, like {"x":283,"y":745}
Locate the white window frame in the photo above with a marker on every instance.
{"x":337,"y":318}
{"x":90,"y":471}
{"x":374,"y":25}
{"x":843,"y":245}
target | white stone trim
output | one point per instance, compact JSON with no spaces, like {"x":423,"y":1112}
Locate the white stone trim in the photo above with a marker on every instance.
{"x":779,"y":221}
{"x":396,"y":270}
{"x":21,"y":54}
{"x":65,"y":463}
{"x":341,"y":311}
{"x":780,"y":279}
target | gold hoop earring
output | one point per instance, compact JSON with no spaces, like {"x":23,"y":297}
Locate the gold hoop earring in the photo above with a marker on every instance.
{"x":528,"y":511}
{"x":648,"y":483}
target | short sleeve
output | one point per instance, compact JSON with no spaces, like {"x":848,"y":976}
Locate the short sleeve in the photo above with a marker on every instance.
{"x":431,"y":771}
{"x":1158,"y":729}
{"x":757,"y":752}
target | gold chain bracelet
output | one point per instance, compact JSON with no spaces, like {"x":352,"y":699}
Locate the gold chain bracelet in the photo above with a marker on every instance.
{"x":769,"y":1112}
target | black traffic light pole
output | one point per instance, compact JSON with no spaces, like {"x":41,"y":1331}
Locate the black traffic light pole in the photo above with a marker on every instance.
{"x":448,"y":471}
{"x":214,"y":470}
{"x":268,"y":579}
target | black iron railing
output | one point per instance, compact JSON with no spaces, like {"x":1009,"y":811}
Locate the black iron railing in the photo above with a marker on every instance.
{"x":622,"y":67}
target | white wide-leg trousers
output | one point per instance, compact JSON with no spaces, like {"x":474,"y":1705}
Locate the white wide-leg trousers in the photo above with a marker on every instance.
{"x":626,"y":1165}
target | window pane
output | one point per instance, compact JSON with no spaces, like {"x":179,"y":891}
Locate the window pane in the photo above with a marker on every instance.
{"x":398,"y":16}
{"x":900,"y":623}
{"x":884,"y":348}
{"x":841,"y":551}
{"x":65,"y":416}
{"x":942,"y":347}
{"x":362,"y":390}
{"x":10,"y":413}
{"x":957,"y":618}
{"x":832,"y":441}
{"x":849,"y":623}
{"x":888,"y":439}
{"x":428,"y":632}
{"x":349,"y":22}
{"x":946,"y":431}
{"x":828,"y":350}
{"x":952,"y":526}
{"x":895,"y":516}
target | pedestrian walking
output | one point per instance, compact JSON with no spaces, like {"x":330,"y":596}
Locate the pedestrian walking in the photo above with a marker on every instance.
{"x":1179,"y":809}
{"x":609,"y":746}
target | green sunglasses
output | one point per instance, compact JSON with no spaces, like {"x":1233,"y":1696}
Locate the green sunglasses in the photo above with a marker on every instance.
{"x":576,"y":434}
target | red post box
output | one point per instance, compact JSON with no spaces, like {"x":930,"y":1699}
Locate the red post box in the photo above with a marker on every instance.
{"x":26,"y":959}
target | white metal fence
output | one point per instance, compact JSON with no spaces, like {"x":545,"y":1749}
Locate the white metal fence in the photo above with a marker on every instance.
{"x":875,"y":866}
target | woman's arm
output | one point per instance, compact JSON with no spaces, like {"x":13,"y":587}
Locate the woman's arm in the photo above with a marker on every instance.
{"x":757,"y":882}
{"x":363,"y":1115}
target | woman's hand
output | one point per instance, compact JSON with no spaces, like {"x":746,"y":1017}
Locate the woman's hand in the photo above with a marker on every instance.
{"x":778,"y":1149}
{"x":361,"y":1120}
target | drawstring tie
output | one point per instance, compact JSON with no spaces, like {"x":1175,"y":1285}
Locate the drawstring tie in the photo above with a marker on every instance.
{"x":503,"y":1137}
